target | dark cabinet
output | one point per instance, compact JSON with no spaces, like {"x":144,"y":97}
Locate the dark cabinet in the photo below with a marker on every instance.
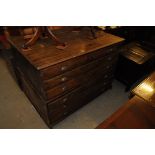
{"x":58,"y":82}
{"x":134,"y":63}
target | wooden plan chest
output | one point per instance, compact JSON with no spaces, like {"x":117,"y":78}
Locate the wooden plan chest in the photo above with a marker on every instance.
{"x":58,"y":82}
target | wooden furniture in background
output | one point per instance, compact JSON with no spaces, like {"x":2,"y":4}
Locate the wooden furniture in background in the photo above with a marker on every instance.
{"x":138,"y":112}
{"x":58,"y":82}
{"x":134,"y":63}
{"x":134,"y":114}
{"x":146,"y":90}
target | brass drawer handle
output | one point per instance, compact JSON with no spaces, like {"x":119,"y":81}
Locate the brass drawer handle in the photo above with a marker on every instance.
{"x":64,"y":100}
{"x":63,"y":68}
{"x":63,"y":79}
{"x":64,"y":88}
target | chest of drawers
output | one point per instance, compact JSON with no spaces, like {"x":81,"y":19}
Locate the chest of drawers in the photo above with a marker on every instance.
{"x":58,"y":82}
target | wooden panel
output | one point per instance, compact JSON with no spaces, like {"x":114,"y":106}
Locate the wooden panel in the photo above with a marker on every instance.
{"x":82,"y":70}
{"x":60,"y":81}
{"x":134,"y":114}
{"x":94,"y":75}
{"x":44,"y":54}
{"x":75,"y":62}
{"x":37,"y":102}
{"x":62,"y":107}
{"x":29,"y":72}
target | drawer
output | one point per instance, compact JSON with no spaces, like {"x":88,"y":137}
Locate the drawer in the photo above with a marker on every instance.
{"x":61,"y":89}
{"x":93,"y":75}
{"x":70,"y":104}
{"x":65,"y":66}
{"x":63,"y":106}
{"x":103,"y":63}
{"x":56,"y":112}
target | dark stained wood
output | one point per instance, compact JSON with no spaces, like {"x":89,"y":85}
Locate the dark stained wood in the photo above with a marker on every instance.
{"x":60,"y":68}
{"x":66,"y":87}
{"x":72,"y":101}
{"x":29,"y":71}
{"x":35,"y":99}
{"x":139,"y":111}
{"x":135,"y":114}
{"x":82,"y":70}
{"x":58,"y":82}
{"x":135,"y":61}
{"x":49,"y":55}
{"x":56,"y":110}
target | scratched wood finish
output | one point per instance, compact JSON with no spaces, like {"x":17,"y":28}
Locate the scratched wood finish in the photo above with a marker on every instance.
{"x":80,"y":71}
{"x":57,"y":110}
{"x":43,"y":54}
{"x":135,"y":114}
{"x":60,"y":68}
{"x":80,"y":81}
{"x":58,"y":82}
{"x":72,"y":101}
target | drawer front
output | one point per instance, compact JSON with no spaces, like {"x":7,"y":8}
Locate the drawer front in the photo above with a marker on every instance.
{"x":104,"y":62}
{"x":61,"y":89}
{"x":63,"y":106}
{"x":75,"y":62}
{"x":93,"y":75}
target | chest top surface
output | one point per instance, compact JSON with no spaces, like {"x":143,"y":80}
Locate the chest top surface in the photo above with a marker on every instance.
{"x":44,"y":53}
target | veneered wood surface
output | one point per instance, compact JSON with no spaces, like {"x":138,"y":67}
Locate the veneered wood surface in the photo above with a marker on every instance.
{"x":135,"y":114}
{"x":82,"y":70}
{"x":87,"y":65}
{"x":44,"y":54}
